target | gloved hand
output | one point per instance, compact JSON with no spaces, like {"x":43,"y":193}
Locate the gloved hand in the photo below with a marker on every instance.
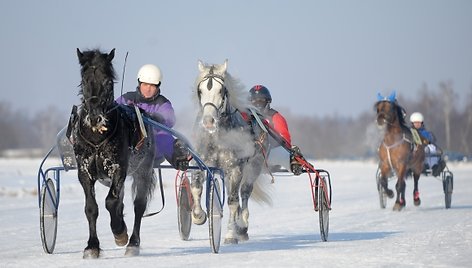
{"x":180,"y":158}
{"x":295,"y":166}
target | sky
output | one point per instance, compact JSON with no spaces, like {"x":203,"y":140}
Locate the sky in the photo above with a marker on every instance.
{"x":336,"y":54}
{"x":286,"y":234}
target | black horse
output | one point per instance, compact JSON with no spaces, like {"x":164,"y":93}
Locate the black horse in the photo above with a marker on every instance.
{"x":102,"y":136}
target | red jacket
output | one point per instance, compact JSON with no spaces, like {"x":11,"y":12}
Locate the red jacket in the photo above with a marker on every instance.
{"x":277,"y":122}
{"x":280,"y":125}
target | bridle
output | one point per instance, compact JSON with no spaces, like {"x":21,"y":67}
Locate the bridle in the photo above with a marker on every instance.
{"x":103,"y":101}
{"x":387,"y":116}
{"x":211,"y":76}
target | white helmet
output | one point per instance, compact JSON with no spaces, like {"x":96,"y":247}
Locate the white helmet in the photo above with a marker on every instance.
{"x":150,"y":74}
{"x":416,"y":117}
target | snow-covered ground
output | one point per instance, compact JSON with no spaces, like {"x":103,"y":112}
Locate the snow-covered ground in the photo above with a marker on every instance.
{"x":285,"y":234}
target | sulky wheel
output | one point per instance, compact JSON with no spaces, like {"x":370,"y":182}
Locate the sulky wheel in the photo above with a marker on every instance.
{"x":48,"y":216}
{"x":184,"y":208}
{"x":323,"y":207}
{"x":215,"y":212}
{"x":448,"y":186}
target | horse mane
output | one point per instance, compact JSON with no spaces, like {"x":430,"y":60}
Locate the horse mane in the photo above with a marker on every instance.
{"x":238,"y":97}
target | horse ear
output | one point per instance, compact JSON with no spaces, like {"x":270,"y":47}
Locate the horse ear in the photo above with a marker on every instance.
{"x":80,"y":55}
{"x":201,"y":66}
{"x":380,"y":97}
{"x":225,"y":65}
{"x":392,"y":96}
{"x":111,"y":55}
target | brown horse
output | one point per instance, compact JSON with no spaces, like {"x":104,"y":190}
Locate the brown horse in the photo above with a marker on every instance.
{"x":398,"y":153}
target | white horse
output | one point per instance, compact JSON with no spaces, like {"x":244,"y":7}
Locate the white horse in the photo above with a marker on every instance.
{"x":226,"y":140}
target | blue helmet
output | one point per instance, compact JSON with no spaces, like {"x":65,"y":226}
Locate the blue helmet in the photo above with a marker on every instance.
{"x":260,"y":92}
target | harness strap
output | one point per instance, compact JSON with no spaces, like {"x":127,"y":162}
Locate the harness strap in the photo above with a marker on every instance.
{"x":388,"y":147}
{"x":163,"y":200}
{"x":97,"y":146}
{"x":260,"y":142}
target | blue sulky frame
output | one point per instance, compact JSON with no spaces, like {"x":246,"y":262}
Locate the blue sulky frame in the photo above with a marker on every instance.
{"x":48,"y":183}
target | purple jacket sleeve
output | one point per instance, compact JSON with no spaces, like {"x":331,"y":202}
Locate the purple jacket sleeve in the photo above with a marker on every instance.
{"x":165,"y":110}
{"x":121,"y":100}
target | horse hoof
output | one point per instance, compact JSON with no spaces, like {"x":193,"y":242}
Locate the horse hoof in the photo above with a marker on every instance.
{"x":132,"y":251}
{"x":398,"y":206}
{"x":242,"y":230}
{"x":122,"y":239}
{"x":92,"y":253}
{"x":416,"y":198}
{"x":417,"y":202}
{"x":244,"y":237}
{"x":199,"y":219}
{"x":231,"y":240}
{"x":390,"y":193}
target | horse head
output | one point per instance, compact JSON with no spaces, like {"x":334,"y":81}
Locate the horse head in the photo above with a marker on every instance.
{"x":386,"y":109}
{"x":96,"y":86}
{"x":212,"y":94}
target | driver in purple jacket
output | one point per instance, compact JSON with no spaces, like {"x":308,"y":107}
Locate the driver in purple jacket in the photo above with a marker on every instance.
{"x":148,"y":97}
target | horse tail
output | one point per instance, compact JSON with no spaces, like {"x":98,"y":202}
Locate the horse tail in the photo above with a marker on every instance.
{"x":144,"y":184}
{"x":262,"y":190}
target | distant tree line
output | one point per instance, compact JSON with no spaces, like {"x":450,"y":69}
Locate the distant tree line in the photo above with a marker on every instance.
{"x":20,"y":131}
{"x":319,"y":137}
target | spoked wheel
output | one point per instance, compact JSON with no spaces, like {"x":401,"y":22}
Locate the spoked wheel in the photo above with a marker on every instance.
{"x":184,"y":208}
{"x":215,"y":213}
{"x":448,"y":186}
{"x":381,"y":190}
{"x":48,"y":216}
{"x":323,"y":212}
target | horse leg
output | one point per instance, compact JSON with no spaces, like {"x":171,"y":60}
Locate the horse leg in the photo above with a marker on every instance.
{"x":384,"y":184}
{"x":198,"y":215}
{"x":92,"y":251}
{"x":234,"y":207}
{"x":115,"y":206}
{"x":243,"y":223}
{"x":416,"y":193}
{"x":250,"y":174}
{"x":143,"y":187}
{"x":400,"y":187}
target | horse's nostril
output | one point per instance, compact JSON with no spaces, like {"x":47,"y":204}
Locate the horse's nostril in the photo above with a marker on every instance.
{"x":209,"y":123}
{"x":208,"y":120}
